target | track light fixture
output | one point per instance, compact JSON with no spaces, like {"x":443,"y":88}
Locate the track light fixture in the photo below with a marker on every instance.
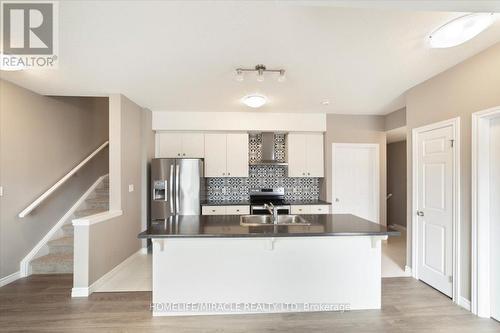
{"x":260,"y":70}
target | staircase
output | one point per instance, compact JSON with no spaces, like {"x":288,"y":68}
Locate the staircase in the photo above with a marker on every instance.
{"x":59,"y":259}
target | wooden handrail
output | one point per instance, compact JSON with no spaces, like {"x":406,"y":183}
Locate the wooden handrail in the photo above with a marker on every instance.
{"x":54,"y":187}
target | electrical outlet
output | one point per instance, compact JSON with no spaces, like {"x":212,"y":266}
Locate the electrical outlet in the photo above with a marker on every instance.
{"x":131,"y":188}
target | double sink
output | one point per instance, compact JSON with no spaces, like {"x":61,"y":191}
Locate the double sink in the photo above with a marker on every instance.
{"x":268,"y":220}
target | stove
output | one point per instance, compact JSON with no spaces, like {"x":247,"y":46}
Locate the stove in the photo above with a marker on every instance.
{"x":261,"y":196}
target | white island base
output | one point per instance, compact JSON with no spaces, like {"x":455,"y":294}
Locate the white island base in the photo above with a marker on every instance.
{"x":207,"y":276}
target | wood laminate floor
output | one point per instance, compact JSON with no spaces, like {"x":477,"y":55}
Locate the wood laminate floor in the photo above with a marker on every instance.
{"x":42,"y":303}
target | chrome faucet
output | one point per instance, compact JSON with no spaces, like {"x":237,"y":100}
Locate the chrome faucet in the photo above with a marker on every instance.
{"x":273,"y":210}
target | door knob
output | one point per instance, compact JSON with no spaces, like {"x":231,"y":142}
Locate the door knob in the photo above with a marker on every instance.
{"x":420,"y":213}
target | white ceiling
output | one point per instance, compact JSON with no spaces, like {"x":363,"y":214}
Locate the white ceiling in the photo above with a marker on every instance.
{"x":181,"y":55}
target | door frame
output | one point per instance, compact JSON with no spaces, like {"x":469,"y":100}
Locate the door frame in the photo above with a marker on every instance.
{"x":376,"y":171}
{"x":480,"y":277}
{"x":455,"y":123}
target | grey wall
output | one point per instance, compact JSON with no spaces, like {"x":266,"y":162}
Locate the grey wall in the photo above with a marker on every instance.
{"x":41,"y":139}
{"x":396,"y":183}
{"x":114,"y":240}
{"x":470,"y":86}
{"x":355,"y":129}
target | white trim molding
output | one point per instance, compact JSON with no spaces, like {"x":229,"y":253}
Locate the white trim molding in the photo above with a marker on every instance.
{"x":10,"y":278}
{"x":464,"y":302}
{"x":86,"y":291}
{"x":480,"y":275}
{"x":24,"y":266}
{"x":455,"y":123}
{"x":96,"y":218}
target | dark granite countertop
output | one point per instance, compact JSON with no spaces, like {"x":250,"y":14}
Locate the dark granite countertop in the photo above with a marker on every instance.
{"x":224,"y":226}
{"x":308,"y":202}
{"x":226,"y":203}
{"x":247,"y":202}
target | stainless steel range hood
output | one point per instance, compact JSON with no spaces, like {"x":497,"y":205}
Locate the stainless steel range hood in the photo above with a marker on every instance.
{"x":269,"y":156}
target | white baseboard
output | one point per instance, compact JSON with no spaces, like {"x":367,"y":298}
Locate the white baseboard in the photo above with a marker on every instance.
{"x":398,"y":227}
{"x":10,"y":278}
{"x":465,"y":303}
{"x":24,"y":266}
{"x":80,"y":292}
{"x":85,"y":292}
{"x":408,"y":270}
{"x":144,"y":250}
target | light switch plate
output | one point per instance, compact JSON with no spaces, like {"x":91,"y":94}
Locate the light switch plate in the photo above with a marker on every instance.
{"x":131,"y":188}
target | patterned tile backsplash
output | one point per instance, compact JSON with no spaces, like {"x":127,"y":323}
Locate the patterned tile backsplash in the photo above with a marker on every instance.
{"x":267,"y":176}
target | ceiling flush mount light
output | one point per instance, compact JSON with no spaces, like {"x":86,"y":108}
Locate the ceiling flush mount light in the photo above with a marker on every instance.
{"x":254,"y":101}
{"x":460,"y":30}
{"x":260,"y":70}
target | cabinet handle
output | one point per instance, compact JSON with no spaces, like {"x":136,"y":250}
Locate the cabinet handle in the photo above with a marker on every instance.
{"x":319,"y":208}
{"x":303,"y":173}
{"x":213,"y":210}
{"x":223,"y":173}
{"x":308,"y":174}
{"x":178,"y":154}
{"x":229,"y":173}
{"x":184,"y":154}
{"x":237,"y":210}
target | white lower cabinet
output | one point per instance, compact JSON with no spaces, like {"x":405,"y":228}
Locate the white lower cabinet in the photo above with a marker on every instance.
{"x":237,"y":210}
{"x":225,"y":210}
{"x":310,"y":209}
{"x":213,"y":210}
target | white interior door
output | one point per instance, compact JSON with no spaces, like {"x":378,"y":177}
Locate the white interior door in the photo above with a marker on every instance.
{"x":434,"y":168}
{"x":495,"y":218}
{"x":355,"y":180}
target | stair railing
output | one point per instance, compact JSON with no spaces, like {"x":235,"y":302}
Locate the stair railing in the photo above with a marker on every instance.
{"x":54,"y":187}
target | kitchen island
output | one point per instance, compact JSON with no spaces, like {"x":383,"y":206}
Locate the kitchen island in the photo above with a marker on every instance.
{"x":213,"y":265}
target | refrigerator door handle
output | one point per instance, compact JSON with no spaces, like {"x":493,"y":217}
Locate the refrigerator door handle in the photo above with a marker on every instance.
{"x":171,"y":189}
{"x":177,"y":181}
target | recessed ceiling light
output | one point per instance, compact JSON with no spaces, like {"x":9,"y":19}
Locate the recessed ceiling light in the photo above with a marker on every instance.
{"x":254,"y":101}
{"x":460,"y":30}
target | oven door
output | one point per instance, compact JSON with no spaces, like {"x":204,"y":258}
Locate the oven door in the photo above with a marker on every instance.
{"x":261,"y":210}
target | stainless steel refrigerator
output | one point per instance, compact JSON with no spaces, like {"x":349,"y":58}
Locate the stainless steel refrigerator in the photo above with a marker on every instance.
{"x":176,"y":187}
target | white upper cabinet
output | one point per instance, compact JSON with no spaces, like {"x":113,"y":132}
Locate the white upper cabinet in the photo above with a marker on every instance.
{"x":180,"y":145}
{"x":193,"y":145}
{"x":226,"y":155}
{"x":237,"y":155}
{"x":296,"y":155}
{"x":305,"y":155}
{"x":215,"y":155}
{"x":314,"y":155}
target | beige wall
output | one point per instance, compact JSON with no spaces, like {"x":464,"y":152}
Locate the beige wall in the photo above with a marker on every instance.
{"x":355,"y":129}
{"x":395,"y":119}
{"x":396,"y":183}
{"x":41,"y":139}
{"x":470,"y":86}
{"x":114,"y":240}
